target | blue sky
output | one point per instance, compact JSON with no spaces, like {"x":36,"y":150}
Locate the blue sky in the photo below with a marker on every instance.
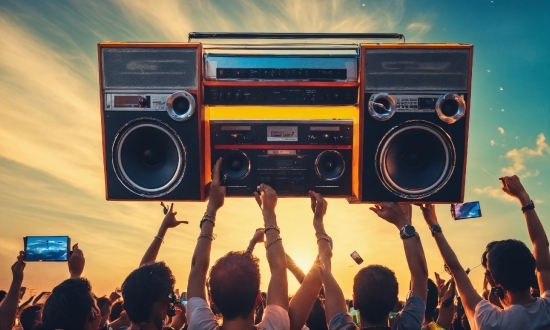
{"x":51,"y":170}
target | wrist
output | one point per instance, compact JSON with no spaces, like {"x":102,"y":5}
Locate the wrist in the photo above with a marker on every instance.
{"x":269,"y":216}
{"x":524,"y":199}
{"x":211,"y":210}
{"x":401,"y":223}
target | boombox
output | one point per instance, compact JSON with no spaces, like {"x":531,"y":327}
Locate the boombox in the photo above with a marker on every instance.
{"x":291,"y":156}
{"x":369,"y":122}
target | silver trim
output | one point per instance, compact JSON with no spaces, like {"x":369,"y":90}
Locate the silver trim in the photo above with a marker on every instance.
{"x":380,"y":160}
{"x":249,"y":163}
{"x":123,"y":177}
{"x":459,"y":113}
{"x":389,"y":112}
{"x":170,"y":109}
{"x":317,"y":163}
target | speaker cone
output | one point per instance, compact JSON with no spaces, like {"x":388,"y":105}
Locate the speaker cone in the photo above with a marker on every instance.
{"x":382,"y":106}
{"x":149,"y":157}
{"x":415,"y":159}
{"x":235,"y":165}
{"x":180,"y":106}
{"x":330,"y":165}
{"x":450,"y":108}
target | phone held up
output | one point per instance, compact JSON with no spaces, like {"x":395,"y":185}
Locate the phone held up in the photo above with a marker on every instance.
{"x":355,"y":256}
{"x":47,"y":248}
{"x":463,"y":211}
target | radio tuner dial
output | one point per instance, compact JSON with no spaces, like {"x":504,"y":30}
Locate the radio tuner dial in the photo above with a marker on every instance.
{"x":239,"y":95}
{"x":222,"y":96}
{"x":229,"y":95}
{"x":142,"y":102}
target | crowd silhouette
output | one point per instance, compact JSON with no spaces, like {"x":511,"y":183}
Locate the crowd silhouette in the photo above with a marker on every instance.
{"x":226,"y":294}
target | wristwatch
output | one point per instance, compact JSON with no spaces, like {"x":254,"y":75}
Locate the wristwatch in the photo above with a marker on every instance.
{"x":529,"y":206}
{"x":435,"y":229}
{"x":407,"y":231}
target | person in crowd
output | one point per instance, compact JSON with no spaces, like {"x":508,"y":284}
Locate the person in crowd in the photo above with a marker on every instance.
{"x":104,"y":305}
{"x":234,"y":279}
{"x":30,"y":317}
{"x":116,"y":309}
{"x":510,"y":267}
{"x":8,"y":306}
{"x":2,"y":295}
{"x":375,"y":287}
{"x":446,"y":311}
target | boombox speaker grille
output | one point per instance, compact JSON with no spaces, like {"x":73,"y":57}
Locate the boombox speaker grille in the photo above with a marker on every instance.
{"x":415,"y":159}
{"x":416,"y":69}
{"x":149,"y":68}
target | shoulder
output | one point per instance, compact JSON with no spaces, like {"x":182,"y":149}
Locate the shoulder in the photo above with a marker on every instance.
{"x":275,"y":318}
{"x":412,"y":315}
{"x":342,"y":321}
{"x":199,"y":315}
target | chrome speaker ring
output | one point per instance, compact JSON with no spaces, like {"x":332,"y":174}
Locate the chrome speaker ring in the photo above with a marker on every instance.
{"x":245,"y":156}
{"x":381,"y":165}
{"x":180,"y":116}
{"x":461,"y":107}
{"x":317,"y":160}
{"x":374,"y":103}
{"x":125,"y":178}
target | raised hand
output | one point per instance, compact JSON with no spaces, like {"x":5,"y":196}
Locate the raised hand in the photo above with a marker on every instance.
{"x":266,"y":198}
{"x":18,"y":267}
{"x":318,"y":205}
{"x":217,"y":191}
{"x":392,"y":213}
{"x":76,"y":262}
{"x":513,"y":187}
{"x":407,"y":209}
{"x":170,"y":219}
{"x":258,"y":237}
{"x":428,"y":211}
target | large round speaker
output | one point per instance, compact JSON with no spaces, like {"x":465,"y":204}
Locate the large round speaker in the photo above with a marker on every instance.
{"x":149,"y":158}
{"x":415,"y":159}
{"x":235,"y":165}
{"x":330,"y":165}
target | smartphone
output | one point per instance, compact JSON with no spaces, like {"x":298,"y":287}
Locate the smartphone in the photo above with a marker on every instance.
{"x":47,"y":248}
{"x":355,"y":256}
{"x":469,"y":210}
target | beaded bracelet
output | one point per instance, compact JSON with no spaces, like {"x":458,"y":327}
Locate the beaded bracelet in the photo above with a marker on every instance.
{"x":326,"y":238}
{"x":209,"y":218}
{"x":272,"y":242}
{"x":210,"y":236}
{"x":269,"y":227}
{"x":159,"y":238}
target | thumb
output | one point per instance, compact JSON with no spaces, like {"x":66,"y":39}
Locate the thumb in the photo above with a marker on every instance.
{"x":182,"y":221}
{"x":258,"y":199}
{"x":375,"y":210}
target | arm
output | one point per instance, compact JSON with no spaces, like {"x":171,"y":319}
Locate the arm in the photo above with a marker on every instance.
{"x":169,"y":222}
{"x":180,"y":319}
{"x":277,"y":290}
{"x":122,"y":321}
{"x":257,"y":238}
{"x":414,"y":252}
{"x":301,"y":304}
{"x":196,"y":285}
{"x":76,"y":262}
{"x":295,"y":270}
{"x":470,"y":297}
{"x":513,"y":187}
{"x":446,"y":313}
{"x":8,"y":307}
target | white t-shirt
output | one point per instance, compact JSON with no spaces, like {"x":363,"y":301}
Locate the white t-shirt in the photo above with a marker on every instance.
{"x":534,"y":316}
{"x":200,"y":316}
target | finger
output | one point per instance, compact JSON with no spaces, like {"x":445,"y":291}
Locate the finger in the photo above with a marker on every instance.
{"x":375,"y":210}
{"x":258,"y":199}
{"x":217,"y":170}
{"x":182,"y":221}
{"x":175,"y":213}
{"x":171,"y":207}
{"x":259,"y":229}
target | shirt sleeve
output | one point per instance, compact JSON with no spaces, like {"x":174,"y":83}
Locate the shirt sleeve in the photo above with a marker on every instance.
{"x":199,"y":315}
{"x":486,"y":315}
{"x":342,"y":321}
{"x":275,"y":318}
{"x":412,"y":316}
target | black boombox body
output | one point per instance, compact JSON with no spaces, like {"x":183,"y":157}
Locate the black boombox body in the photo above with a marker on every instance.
{"x":275,"y":114}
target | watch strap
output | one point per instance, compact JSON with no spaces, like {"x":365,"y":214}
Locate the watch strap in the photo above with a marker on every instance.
{"x":435,"y":229}
{"x":403,"y":232}
{"x":529,"y":206}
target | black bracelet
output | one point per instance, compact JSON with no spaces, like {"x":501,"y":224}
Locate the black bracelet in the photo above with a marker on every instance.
{"x":447,"y":302}
{"x":528,"y":207}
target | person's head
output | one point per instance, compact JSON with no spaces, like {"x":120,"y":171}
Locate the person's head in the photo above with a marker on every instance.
{"x":146,"y":293}
{"x":116,"y":309}
{"x":30,"y":317}
{"x":104,"y":305}
{"x":71,"y":306}
{"x":375,"y":290}
{"x":484,"y":255}
{"x":234,"y":284}
{"x":511,"y":265}
{"x":431,"y":301}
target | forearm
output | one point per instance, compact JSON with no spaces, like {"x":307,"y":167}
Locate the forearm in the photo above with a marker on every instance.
{"x":335,"y":302}
{"x":301,"y":304}
{"x":8,"y":307}
{"x":277,"y":293}
{"x":538,"y":239}
{"x":445,"y":318}
{"x":417,"y":266}
{"x":151,"y":254}
{"x":196,"y":286}
{"x":294,"y":269}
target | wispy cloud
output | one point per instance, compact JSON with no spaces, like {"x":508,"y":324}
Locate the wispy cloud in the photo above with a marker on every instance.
{"x":518,"y":157}
{"x":501,"y":130}
{"x":492,"y":142}
{"x":493,"y":192}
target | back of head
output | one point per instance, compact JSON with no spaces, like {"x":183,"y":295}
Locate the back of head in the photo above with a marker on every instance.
{"x":69,"y":305}
{"x":375,"y":290}
{"x":144,"y":287}
{"x":234,"y":283}
{"x":2,"y":295}
{"x":30,"y":317}
{"x":512,"y":265}
{"x":104,"y":305}
{"x":116,"y":309}
{"x":484,"y":255}
{"x":431,"y":301}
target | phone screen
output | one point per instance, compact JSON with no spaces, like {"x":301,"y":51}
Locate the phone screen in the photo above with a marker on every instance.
{"x":466,"y":210}
{"x":356,"y":257}
{"x":47,"y":248}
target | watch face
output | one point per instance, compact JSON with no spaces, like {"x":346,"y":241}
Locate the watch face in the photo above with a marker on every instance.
{"x":409,"y":230}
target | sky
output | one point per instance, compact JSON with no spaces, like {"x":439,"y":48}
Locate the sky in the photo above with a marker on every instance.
{"x":51,"y":163}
